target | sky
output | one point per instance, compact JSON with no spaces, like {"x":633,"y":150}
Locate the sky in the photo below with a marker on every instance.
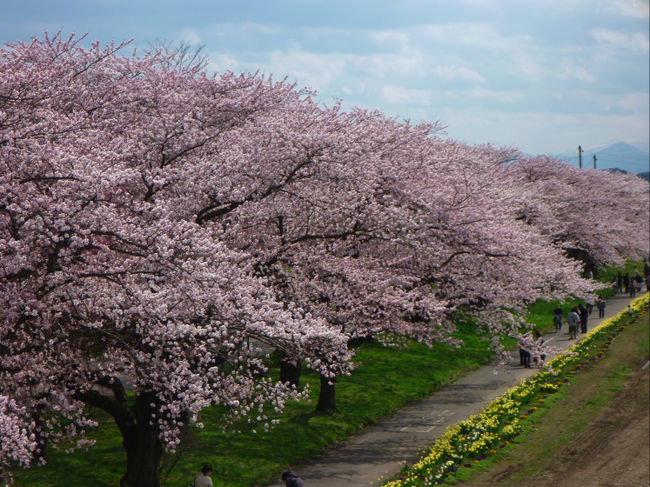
{"x":541,"y":75}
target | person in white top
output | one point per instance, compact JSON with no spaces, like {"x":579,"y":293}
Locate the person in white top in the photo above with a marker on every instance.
{"x":203,"y":479}
{"x":573,"y":319}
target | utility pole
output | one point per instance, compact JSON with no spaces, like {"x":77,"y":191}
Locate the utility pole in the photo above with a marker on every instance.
{"x":580,"y":151}
{"x":594,"y":161}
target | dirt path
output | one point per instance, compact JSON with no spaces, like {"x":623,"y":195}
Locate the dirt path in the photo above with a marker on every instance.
{"x":614,"y":450}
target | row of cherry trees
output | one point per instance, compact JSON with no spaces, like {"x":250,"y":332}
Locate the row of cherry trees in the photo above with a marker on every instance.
{"x":597,"y":217}
{"x":160,"y":224}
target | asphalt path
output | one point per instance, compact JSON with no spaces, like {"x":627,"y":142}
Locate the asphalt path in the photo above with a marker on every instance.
{"x":381,"y":450}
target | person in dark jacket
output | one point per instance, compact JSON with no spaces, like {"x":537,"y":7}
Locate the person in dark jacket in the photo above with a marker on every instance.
{"x":601,"y":304}
{"x":584,"y":316}
{"x":539,"y":360}
{"x":292,"y":480}
{"x":619,"y":282}
{"x":557,"y":318}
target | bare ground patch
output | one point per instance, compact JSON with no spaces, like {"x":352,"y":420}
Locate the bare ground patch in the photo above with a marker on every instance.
{"x":614,"y":449}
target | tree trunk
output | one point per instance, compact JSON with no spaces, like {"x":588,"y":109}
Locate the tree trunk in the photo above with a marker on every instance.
{"x":143,"y":446}
{"x":141,"y":439}
{"x":327,"y":396}
{"x":290,"y":372}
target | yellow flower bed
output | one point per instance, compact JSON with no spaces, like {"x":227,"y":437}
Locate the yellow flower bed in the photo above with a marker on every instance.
{"x":475,"y":437}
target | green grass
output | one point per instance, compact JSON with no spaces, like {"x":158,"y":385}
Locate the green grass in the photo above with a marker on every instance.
{"x":541,"y":312}
{"x":108,"y":455}
{"x":609,"y":273}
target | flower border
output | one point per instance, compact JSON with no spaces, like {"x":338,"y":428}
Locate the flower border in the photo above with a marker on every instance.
{"x":477,"y":437}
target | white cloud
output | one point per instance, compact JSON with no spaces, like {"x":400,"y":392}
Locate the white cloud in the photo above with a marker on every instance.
{"x":519,"y":52}
{"x":635,"y":41}
{"x":569,"y":70}
{"x":636,"y":102}
{"x":481,"y":35}
{"x":501,"y":96}
{"x":220,"y":62}
{"x":545,"y":133}
{"x":398,"y":95}
{"x":495,"y":6}
{"x":452,"y":73}
{"x":191,"y":36}
{"x":632,"y":8}
{"x":525,"y":64}
{"x":407,"y":64}
{"x":633,"y":103}
{"x":250,"y":28}
{"x":397,"y":38}
{"x":318,"y":71}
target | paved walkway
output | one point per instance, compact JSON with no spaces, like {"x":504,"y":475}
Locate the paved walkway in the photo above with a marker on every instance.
{"x":381,"y":450}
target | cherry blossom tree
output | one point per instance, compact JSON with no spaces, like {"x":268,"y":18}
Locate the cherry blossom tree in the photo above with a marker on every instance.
{"x":453,"y":221}
{"x":16,"y":441}
{"x":598,"y":217}
{"x":160,"y":224}
{"x":378,"y":227}
{"x":106,"y":273}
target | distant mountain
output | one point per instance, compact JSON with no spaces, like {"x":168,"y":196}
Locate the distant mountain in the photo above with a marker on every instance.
{"x":616,"y":156}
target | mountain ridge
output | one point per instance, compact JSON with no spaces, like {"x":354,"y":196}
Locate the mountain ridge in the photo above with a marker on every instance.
{"x":619,"y":155}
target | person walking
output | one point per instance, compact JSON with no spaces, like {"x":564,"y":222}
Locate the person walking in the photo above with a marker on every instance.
{"x":601,"y":305}
{"x":557,"y":318}
{"x":524,"y":357}
{"x":632,"y":288}
{"x":584,"y":316}
{"x":573,"y":320}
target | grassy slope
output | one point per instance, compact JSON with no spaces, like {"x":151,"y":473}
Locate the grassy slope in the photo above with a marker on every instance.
{"x":563,"y":439}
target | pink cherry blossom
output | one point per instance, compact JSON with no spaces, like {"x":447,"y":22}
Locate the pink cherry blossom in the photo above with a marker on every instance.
{"x":165,"y":228}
